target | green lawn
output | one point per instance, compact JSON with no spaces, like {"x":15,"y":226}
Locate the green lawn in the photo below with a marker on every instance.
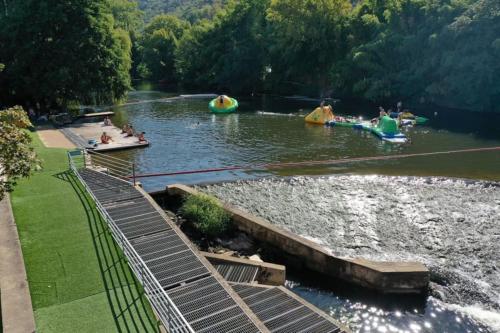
{"x":78,"y":278}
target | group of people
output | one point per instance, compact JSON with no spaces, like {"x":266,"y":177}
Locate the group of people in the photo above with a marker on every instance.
{"x":127,"y":129}
{"x":390,"y":113}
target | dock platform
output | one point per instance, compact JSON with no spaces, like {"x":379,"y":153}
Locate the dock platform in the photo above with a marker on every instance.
{"x":83,"y":133}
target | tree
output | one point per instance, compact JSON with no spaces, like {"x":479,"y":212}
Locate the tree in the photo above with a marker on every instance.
{"x":17,"y":158}
{"x":467,"y":67}
{"x":157,"y":47}
{"x":229,"y":53}
{"x":70,"y":52}
{"x":307,"y":39}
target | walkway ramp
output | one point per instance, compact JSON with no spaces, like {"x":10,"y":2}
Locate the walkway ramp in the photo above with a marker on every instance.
{"x":236,"y":272}
{"x":283,"y":312}
{"x":183,"y":288}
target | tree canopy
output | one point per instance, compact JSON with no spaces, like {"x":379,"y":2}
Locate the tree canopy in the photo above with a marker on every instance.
{"x":17,"y":158}
{"x":56,"y":52}
{"x":443,"y":52}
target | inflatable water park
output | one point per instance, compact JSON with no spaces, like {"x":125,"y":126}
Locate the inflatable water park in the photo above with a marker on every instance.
{"x":223,"y":104}
{"x":386,"y":127}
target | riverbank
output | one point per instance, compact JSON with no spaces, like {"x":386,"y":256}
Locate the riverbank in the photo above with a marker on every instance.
{"x":77,"y":276}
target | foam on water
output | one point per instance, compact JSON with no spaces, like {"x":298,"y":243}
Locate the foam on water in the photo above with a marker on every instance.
{"x":451,"y":225}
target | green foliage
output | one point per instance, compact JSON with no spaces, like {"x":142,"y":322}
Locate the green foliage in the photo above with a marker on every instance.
{"x":228,"y":53}
{"x":17,"y":158}
{"x":157,"y":47}
{"x":192,"y":10}
{"x":206,"y":213}
{"x":439,"y":51}
{"x":70,"y":52}
{"x":126,"y":14}
{"x":307,"y":39}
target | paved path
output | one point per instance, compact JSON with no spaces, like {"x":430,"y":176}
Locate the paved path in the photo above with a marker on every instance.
{"x":17,"y":313}
{"x":53,"y":138}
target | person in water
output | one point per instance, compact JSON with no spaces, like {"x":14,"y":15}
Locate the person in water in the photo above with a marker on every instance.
{"x":381,"y":113}
{"x":221,"y":100}
{"x":105,"y":138}
{"x":399,"y":107}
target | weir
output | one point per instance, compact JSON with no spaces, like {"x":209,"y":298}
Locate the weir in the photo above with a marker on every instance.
{"x":385,"y":277}
{"x":185,"y":290}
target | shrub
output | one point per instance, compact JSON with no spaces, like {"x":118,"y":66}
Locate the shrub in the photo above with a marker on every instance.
{"x":206,"y":213}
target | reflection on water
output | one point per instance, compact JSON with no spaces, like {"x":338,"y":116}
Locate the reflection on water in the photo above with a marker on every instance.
{"x":185,"y":136}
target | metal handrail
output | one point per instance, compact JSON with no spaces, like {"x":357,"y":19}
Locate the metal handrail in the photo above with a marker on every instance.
{"x":167,"y":311}
{"x":115,"y":166}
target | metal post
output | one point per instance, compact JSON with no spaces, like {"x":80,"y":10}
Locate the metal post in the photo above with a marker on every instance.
{"x":133,"y":172}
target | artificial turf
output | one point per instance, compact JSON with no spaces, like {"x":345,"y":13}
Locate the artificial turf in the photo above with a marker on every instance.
{"x":79,"y":280}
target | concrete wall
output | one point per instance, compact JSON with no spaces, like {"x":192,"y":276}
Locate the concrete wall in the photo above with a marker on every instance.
{"x":385,"y":277}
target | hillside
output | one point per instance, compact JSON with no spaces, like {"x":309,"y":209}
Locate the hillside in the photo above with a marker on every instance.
{"x":191,"y":10}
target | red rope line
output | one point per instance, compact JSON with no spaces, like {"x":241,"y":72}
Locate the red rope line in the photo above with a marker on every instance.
{"x":313,"y":163}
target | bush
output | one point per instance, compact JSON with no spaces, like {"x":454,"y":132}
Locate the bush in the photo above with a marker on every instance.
{"x":206,"y":213}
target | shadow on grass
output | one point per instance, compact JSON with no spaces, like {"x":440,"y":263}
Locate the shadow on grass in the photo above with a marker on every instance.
{"x":131,"y":311}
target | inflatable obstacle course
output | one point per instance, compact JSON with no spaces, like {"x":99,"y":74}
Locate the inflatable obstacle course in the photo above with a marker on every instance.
{"x":320,"y":115}
{"x":386,"y":129}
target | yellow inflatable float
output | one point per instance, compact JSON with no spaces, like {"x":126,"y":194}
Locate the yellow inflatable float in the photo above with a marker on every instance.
{"x":320,"y":115}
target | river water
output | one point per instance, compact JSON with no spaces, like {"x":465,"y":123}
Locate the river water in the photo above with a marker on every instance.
{"x":450,"y":225}
{"x":370,"y":209}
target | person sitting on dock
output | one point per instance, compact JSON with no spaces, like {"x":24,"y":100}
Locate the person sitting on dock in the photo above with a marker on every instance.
{"x":125,"y":128}
{"x":107,"y":121}
{"x":141,"y":137}
{"x":105,"y":138}
{"x":130,"y":131}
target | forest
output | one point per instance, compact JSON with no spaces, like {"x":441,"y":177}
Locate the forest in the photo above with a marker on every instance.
{"x":441,"y":52}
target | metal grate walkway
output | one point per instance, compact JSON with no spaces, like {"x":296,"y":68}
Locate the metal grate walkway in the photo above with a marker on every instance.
{"x":281,"y":311}
{"x":183,"y":288}
{"x":237,"y":273}
{"x":180,"y":286}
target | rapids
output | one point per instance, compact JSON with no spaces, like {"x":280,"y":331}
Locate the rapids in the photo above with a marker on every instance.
{"x":450,"y":225}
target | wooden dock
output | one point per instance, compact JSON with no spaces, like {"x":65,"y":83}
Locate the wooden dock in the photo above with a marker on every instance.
{"x":98,"y":114}
{"x":83,"y":134}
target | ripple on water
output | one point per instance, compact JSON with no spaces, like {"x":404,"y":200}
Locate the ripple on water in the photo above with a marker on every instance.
{"x":451,"y":225}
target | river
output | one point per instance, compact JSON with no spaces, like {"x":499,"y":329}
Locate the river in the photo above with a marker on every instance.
{"x":416,"y":208}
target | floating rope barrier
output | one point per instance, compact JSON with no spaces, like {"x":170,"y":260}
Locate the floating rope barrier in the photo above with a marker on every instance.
{"x":315,"y":163}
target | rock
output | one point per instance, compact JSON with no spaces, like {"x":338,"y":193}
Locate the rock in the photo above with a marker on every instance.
{"x":240,"y":243}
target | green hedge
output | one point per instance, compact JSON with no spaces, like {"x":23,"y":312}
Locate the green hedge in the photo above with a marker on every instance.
{"x":206,"y":213}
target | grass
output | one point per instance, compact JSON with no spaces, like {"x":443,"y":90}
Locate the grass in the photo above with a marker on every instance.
{"x":78,"y":278}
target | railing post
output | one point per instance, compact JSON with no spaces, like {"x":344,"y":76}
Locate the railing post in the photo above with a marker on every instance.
{"x":133,"y":172}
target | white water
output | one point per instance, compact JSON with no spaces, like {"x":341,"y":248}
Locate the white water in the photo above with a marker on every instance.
{"x":451,"y":225}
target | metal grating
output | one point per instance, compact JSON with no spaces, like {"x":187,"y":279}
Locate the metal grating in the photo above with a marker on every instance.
{"x":237,"y":272}
{"x":180,"y":287}
{"x":282,"y":313}
{"x":162,"y":259}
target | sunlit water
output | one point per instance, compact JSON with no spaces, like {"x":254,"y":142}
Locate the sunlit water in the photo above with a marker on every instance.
{"x":185,"y":136}
{"x":451,"y":226}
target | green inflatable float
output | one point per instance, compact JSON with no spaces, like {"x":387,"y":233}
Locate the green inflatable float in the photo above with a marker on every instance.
{"x":223,"y":104}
